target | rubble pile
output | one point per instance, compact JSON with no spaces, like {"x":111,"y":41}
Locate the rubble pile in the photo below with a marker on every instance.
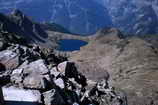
{"x":53,"y":79}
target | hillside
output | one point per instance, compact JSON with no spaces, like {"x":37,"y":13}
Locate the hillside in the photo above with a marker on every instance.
{"x":86,"y":17}
{"x":131,"y":63}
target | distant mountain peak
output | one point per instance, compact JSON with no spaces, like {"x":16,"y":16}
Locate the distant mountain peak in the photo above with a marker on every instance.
{"x":87,"y":16}
{"x":19,"y":24}
{"x":17,"y":12}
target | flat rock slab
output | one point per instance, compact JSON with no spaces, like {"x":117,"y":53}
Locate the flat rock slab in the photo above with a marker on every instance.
{"x":13,"y":94}
{"x":9,"y":59}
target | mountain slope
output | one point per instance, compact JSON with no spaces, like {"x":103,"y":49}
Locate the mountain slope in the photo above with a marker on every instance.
{"x":134,"y":17}
{"x":86,"y":17}
{"x":19,"y":24}
{"x":131,"y":63}
{"x":82,"y":17}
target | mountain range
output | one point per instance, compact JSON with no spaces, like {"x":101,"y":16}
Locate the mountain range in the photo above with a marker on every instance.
{"x":87,"y":16}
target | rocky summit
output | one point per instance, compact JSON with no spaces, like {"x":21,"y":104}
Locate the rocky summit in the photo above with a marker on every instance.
{"x":30,"y":72}
{"x":55,"y":83}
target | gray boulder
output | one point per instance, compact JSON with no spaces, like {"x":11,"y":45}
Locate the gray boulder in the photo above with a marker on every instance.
{"x":21,"y":95}
{"x":38,"y":67}
{"x":9,"y":59}
{"x":62,"y":67}
{"x":17,"y":76}
{"x":60,"y":83}
{"x":34,"y":75}
{"x":35,"y":81}
{"x":54,"y":72}
{"x":69,"y":70}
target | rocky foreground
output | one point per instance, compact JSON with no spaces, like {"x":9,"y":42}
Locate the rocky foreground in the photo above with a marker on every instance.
{"x":48,"y":78}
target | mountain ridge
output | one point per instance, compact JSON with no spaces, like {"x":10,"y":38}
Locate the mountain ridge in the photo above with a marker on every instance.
{"x":86,"y":17}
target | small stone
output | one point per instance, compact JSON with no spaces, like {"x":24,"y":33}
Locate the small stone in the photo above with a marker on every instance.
{"x":54,"y":72}
{"x":59,"y":82}
{"x":62,"y":67}
{"x":75,"y":103}
{"x":17,"y":71}
{"x":35,"y":82}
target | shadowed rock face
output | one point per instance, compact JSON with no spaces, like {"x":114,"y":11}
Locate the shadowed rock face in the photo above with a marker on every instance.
{"x":131,"y":63}
{"x":19,"y":24}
